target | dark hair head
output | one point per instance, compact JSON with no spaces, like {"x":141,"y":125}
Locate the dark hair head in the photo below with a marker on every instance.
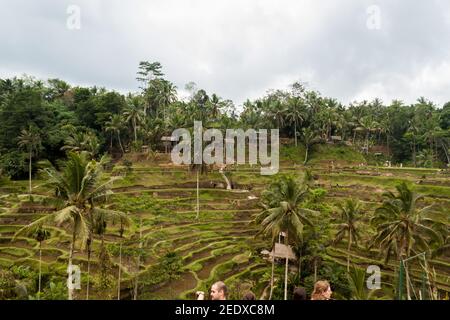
{"x":249,"y":296}
{"x":299,"y":293}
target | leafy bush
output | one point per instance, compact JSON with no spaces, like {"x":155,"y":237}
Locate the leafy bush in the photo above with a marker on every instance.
{"x":14,"y":164}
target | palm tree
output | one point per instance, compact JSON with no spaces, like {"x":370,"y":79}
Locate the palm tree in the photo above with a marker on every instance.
{"x":403,"y":228}
{"x":310,"y":137}
{"x":81,"y":187}
{"x":40,"y":235}
{"x":367,"y":125}
{"x":215,"y":105}
{"x":282,"y":212}
{"x":99,"y":219}
{"x":114,"y":125}
{"x":165,"y":94}
{"x":357,"y":284}
{"x":348,"y":225}
{"x":412,"y":132}
{"x":82,"y":141}
{"x":31,"y":141}
{"x":134,"y":114}
{"x":295,"y":114}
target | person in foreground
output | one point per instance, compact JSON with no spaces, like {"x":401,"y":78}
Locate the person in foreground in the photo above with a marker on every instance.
{"x":322,"y":291}
{"x":299,"y":293}
{"x":218,"y":292}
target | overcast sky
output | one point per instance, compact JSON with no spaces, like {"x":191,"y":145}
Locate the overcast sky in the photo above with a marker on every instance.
{"x":348,"y":49}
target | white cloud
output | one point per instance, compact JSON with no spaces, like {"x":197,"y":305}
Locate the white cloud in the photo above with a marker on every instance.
{"x":237,"y":49}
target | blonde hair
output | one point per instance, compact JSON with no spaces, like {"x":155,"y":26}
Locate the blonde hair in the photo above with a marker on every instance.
{"x":319,"y":289}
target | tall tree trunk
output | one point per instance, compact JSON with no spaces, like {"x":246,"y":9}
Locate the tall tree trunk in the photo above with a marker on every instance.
{"x":110,"y":144}
{"x":29,"y":174}
{"x":198,"y":198}
{"x":306,"y":154}
{"x":387,"y":144}
{"x":286,"y":266}
{"x":138,"y":261}
{"x":135,"y":131}
{"x":367,"y":142}
{"x":120,"y":142}
{"x":300,"y":263}
{"x":40,"y":270}
{"x":444,"y":147}
{"x":295,"y":132}
{"x":273,"y":268}
{"x":72,"y":246}
{"x":348,"y":251}
{"x":414,"y":151}
{"x":120,"y":269}
{"x":315,"y":270}
{"x":88,"y":267}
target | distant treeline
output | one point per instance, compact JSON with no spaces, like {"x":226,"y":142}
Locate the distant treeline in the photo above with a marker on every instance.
{"x":45,"y":119}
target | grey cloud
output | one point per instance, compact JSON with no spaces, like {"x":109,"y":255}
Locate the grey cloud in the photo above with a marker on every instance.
{"x":237,"y":49}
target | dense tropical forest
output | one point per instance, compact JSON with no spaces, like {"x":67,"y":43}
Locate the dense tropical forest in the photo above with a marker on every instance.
{"x":86,"y":179}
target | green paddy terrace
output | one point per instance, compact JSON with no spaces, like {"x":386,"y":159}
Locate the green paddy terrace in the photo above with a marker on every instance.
{"x":221,"y":243}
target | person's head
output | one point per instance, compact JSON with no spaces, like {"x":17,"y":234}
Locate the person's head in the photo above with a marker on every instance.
{"x":219,"y":291}
{"x":322,"y":291}
{"x":299,"y":293}
{"x":249,"y":296}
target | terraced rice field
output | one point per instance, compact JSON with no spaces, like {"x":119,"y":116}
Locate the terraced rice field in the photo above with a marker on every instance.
{"x":221,"y":244}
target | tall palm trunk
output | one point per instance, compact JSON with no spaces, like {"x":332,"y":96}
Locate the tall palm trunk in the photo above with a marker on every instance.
{"x":315,"y":270}
{"x":286,"y":267}
{"x":367,"y":142}
{"x":348,"y":250}
{"x":306,"y":154}
{"x":138,"y":261}
{"x":135,"y":131}
{"x":387,"y":145}
{"x":88,"y":267}
{"x":29,"y":173}
{"x":40,"y":270}
{"x":72,"y":246}
{"x":273,"y":268}
{"x":295,"y":131}
{"x":198,"y":198}
{"x":300,"y":263}
{"x":120,"y":142}
{"x":120,"y":270}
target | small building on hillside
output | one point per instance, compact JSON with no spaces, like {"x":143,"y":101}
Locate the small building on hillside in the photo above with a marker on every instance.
{"x":168,"y":142}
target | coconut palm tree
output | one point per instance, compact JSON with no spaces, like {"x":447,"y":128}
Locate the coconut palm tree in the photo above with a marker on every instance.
{"x":282,"y":212}
{"x":402,"y":227}
{"x":215,"y":104}
{"x":405,"y":229}
{"x":98,"y":222}
{"x":310,"y":137}
{"x":350,"y":213}
{"x":295,"y":113}
{"x":80,"y":186}
{"x":82,"y":141}
{"x":40,"y":235}
{"x":114,"y":125}
{"x":165,"y":93}
{"x":358,"y":287}
{"x":31,"y":141}
{"x":134,"y":114}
